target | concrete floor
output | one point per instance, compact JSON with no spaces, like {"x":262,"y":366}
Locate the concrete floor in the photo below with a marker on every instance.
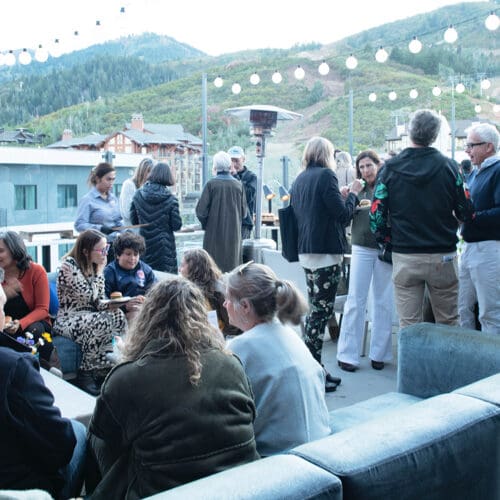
{"x":362,"y":384}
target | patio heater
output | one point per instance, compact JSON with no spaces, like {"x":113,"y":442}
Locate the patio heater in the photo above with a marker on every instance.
{"x":263,"y":119}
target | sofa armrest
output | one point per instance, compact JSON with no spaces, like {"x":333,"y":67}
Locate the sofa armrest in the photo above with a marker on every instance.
{"x":435,"y":359}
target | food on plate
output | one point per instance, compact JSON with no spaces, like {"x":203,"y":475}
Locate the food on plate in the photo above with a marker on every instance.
{"x":364,"y":203}
{"x":115,"y":295}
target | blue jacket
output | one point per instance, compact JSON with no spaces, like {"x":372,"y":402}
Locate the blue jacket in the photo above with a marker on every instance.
{"x":36,"y":440}
{"x":131,"y":282}
{"x":485,"y":194}
{"x":321,"y":212}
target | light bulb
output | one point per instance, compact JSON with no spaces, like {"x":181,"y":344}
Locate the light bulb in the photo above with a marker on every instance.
{"x":381,"y":55}
{"x":372,"y":97}
{"x":236,"y":88}
{"x":436,"y":91}
{"x":413,"y":93}
{"x":392,"y":95}
{"x":41,"y":54}
{"x":485,"y":84}
{"x":351,"y":62}
{"x":460,"y":88}
{"x":218,"y":82}
{"x":323,"y":68}
{"x":55,"y":50}
{"x":450,"y":35}
{"x":477,"y":108}
{"x":24,"y":57}
{"x":415,"y":46}
{"x":10,"y":58}
{"x":496,"y":108}
{"x":299,"y":73}
{"x":254,"y":79}
{"x":277,"y":78}
{"x":492,"y":22}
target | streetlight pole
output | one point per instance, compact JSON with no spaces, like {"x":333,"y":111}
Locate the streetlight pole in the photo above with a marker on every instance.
{"x":204,"y":154}
{"x":351,"y":120}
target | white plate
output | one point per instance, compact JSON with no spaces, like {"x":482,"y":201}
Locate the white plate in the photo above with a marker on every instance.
{"x":121,"y":300}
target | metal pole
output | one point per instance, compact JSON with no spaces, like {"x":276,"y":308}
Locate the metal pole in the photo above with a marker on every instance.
{"x":351,"y":120}
{"x":452,"y":122}
{"x":204,"y":154}
{"x":285,"y":161}
{"x":261,"y":152}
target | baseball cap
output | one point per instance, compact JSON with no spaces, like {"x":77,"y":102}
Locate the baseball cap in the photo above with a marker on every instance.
{"x":235,"y":152}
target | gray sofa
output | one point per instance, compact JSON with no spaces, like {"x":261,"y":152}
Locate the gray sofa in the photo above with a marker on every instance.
{"x":437,"y":437}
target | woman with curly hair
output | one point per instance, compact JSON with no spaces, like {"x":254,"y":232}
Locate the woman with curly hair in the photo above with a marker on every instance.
{"x":178,"y":408}
{"x":198,"y":267}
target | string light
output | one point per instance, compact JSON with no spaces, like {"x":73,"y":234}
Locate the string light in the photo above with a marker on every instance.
{"x":2,"y":59}
{"x":236,"y":88}
{"x":450,"y":35}
{"x":381,"y":55}
{"x":351,"y":62}
{"x":254,"y":78}
{"x":218,"y":82}
{"x":277,"y":78}
{"x":372,"y":97}
{"x":24,"y":57}
{"x":485,"y":84}
{"x":392,"y":95}
{"x":477,"y":108}
{"x":460,"y":88}
{"x":55,"y":49}
{"x":496,"y":108}
{"x":436,"y":91}
{"x":492,"y":22}
{"x":10,"y":58}
{"x":41,"y":54}
{"x":323,"y":68}
{"x":413,"y":93}
{"x":299,"y":73}
{"x":415,"y":46}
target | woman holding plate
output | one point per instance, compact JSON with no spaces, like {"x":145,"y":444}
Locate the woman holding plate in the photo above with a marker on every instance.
{"x":368,"y":270}
{"x":84,"y":316}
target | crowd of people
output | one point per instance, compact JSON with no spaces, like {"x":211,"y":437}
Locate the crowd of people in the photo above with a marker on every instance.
{"x":209,"y":372}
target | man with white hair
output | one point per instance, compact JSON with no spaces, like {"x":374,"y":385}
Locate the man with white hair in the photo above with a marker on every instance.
{"x":221,"y":209}
{"x":480,"y":260}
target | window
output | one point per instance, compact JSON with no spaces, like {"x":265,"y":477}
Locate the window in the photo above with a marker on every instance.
{"x":25,"y":197}
{"x":117,"y":189}
{"x":66,"y":195}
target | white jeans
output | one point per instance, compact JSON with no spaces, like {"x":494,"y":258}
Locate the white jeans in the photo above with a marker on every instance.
{"x":366,"y":270}
{"x":479,"y":277}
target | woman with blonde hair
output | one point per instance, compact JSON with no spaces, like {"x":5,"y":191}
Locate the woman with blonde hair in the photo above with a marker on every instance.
{"x":83,"y":316}
{"x":287,"y":382}
{"x":180,"y":406}
{"x":130,"y":186}
{"x":322,"y":214}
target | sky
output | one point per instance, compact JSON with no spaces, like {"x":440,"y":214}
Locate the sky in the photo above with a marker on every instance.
{"x":212,"y":26}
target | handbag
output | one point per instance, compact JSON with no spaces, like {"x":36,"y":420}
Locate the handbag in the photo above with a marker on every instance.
{"x":289,"y":234}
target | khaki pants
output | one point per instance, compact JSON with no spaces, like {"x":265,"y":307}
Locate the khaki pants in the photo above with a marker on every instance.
{"x":411,"y":273}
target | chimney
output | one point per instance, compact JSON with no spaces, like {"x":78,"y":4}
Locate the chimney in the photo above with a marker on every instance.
{"x":67,"y":134}
{"x":137,"y":122}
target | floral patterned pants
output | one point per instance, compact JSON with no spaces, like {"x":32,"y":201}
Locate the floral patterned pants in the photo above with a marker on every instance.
{"x":321,"y":288}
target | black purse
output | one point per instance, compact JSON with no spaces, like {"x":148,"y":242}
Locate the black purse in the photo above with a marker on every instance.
{"x":289,"y":234}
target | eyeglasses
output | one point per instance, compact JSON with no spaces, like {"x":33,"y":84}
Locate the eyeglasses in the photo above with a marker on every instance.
{"x":103,"y":251}
{"x":470,"y":145}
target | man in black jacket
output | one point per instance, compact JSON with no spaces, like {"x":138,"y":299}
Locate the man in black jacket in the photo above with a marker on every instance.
{"x":249,"y":181}
{"x":419,"y":196}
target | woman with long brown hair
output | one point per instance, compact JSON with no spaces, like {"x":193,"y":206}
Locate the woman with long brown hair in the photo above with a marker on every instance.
{"x":178,"y":408}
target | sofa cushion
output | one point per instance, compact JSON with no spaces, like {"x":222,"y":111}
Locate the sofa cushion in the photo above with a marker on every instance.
{"x":440,"y":448}
{"x":278,"y":477}
{"x":487,"y":389}
{"x":434,"y":359}
{"x":346,"y":417}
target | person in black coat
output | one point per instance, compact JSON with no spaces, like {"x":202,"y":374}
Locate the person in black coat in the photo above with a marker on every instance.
{"x":154,"y":204}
